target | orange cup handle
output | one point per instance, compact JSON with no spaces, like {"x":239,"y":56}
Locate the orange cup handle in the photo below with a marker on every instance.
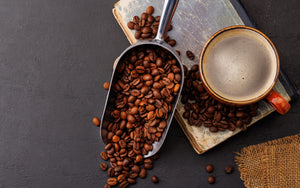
{"x":278,"y":102}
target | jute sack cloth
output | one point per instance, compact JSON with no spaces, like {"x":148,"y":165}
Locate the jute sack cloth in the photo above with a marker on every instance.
{"x":274,"y":164}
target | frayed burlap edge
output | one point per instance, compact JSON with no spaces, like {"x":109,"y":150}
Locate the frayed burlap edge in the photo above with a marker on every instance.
{"x":254,"y":161}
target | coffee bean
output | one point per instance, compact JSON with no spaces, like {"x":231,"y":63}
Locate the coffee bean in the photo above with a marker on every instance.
{"x":146,"y":30}
{"x":131,"y":181}
{"x":103,"y":166}
{"x":106,"y":85}
{"x":229,"y":169}
{"x":172,"y":42}
{"x":124,"y":184}
{"x":96,"y":121}
{"x":211,"y":179}
{"x":137,"y":34}
{"x":121,"y":178}
{"x":190,"y":55}
{"x":107,"y":186}
{"x":133,"y":175}
{"x":150,"y":10}
{"x":154,"y":179}
{"x":144,"y":16}
{"x":115,"y":138}
{"x":194,"y":68}
{"x":213,"y":129}
{"x":139,"y":158}
{"x":130,"y":25}
{"x":146,"y":35}
{"x":209,"y":168}
{"x":148,"y":147}
{"x":104,"y":156}
{"x":143,"y":173}
{"x":136,"y":19}
{"x":135,"y":169}
{"x":148,"y":166}
{"x":112,"y":181}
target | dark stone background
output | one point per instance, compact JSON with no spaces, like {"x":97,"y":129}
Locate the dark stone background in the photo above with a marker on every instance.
{"x":55,"y":56}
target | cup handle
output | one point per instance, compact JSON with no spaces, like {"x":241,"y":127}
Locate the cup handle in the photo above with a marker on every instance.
{"x":278,"y":102}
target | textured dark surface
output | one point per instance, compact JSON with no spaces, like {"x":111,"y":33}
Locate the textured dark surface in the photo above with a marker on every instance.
{"x":55,"y":56}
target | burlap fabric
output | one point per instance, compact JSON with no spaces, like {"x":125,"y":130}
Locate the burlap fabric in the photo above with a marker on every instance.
{"x":273,"y":164}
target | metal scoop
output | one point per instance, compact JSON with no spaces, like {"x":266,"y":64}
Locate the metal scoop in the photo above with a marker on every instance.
{"x":158,"y":42}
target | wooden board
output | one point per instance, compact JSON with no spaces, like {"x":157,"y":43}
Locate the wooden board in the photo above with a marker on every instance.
{"x":193,"y":23}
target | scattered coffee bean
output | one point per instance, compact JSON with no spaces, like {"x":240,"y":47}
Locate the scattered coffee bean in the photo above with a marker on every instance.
{"x":172,"y":42}
{"x":96,"y":121}
{"x":150,"y":10}
{"x":211,"y":179}
{"x":106,"y":85}
{"x":209,"y":168}
{"x":154,"y":179}
{"x":229,"y":169}
{"x":107,"y":186}
{"x":202,"y":109}
{"x":103,"y":166}
{"x":190,"y":55}
{"x":146,"y":26}
{"x":143,"y":173}
{"x":124,"y":184}
{"x":104,"y":156}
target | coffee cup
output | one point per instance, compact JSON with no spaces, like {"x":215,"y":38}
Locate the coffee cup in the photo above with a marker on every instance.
{"x":239,"y":65}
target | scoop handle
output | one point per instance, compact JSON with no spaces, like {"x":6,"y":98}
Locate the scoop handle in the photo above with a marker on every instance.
{"x":278,"y":102}
{"x":165,"y":19}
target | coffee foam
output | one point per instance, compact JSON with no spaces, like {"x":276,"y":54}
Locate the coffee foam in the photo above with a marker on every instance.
{"x":240,"y":65}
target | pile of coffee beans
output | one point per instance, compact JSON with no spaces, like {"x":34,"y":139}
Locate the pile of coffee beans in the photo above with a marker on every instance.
{"x":146,"y":26}
{"x":148,"y":81}
{"x":202,"y":109}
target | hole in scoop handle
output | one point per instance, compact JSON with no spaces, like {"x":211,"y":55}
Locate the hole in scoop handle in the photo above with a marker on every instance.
{"x":166,"y":17}
{"x":278,"y":102}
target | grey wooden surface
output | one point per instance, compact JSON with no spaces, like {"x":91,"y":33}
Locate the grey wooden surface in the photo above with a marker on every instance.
{"x":55,"y":56}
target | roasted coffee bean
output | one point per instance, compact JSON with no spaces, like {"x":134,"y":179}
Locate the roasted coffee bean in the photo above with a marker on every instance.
{"x":124,"y":184}
{"x":112,"y":181}
{"x":148,"y":147}
{"x":154,"y":179}
{"x":135,"y":169}
{"x":137,"y":34}
{"x":121,"y":178}
{"x":131,"y":181}
{"x":190,"y":55}
{"x":133,"y":175}
{"x":211,"y":180}
{"x":146,"y":30}
{"x":209,"y":168}
{"x":104,"y":156}
{"x":213,"y":129}
{"x":130,"y":25}
{"x":107,"y":186}
{"x":139,"y":158}
{"x":110,"y":172}
{"x":148,"y":166}
{"x":229,"y":169}
{"x":106,"y":85}
{"x":172,"y":42}
{"x":150,"y":10}
{"x":103,"y":166}
{"x":96,"y":121}
{"x":144,"y":16}
{"x":143,"y":173}
{"x":108,"y":146}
